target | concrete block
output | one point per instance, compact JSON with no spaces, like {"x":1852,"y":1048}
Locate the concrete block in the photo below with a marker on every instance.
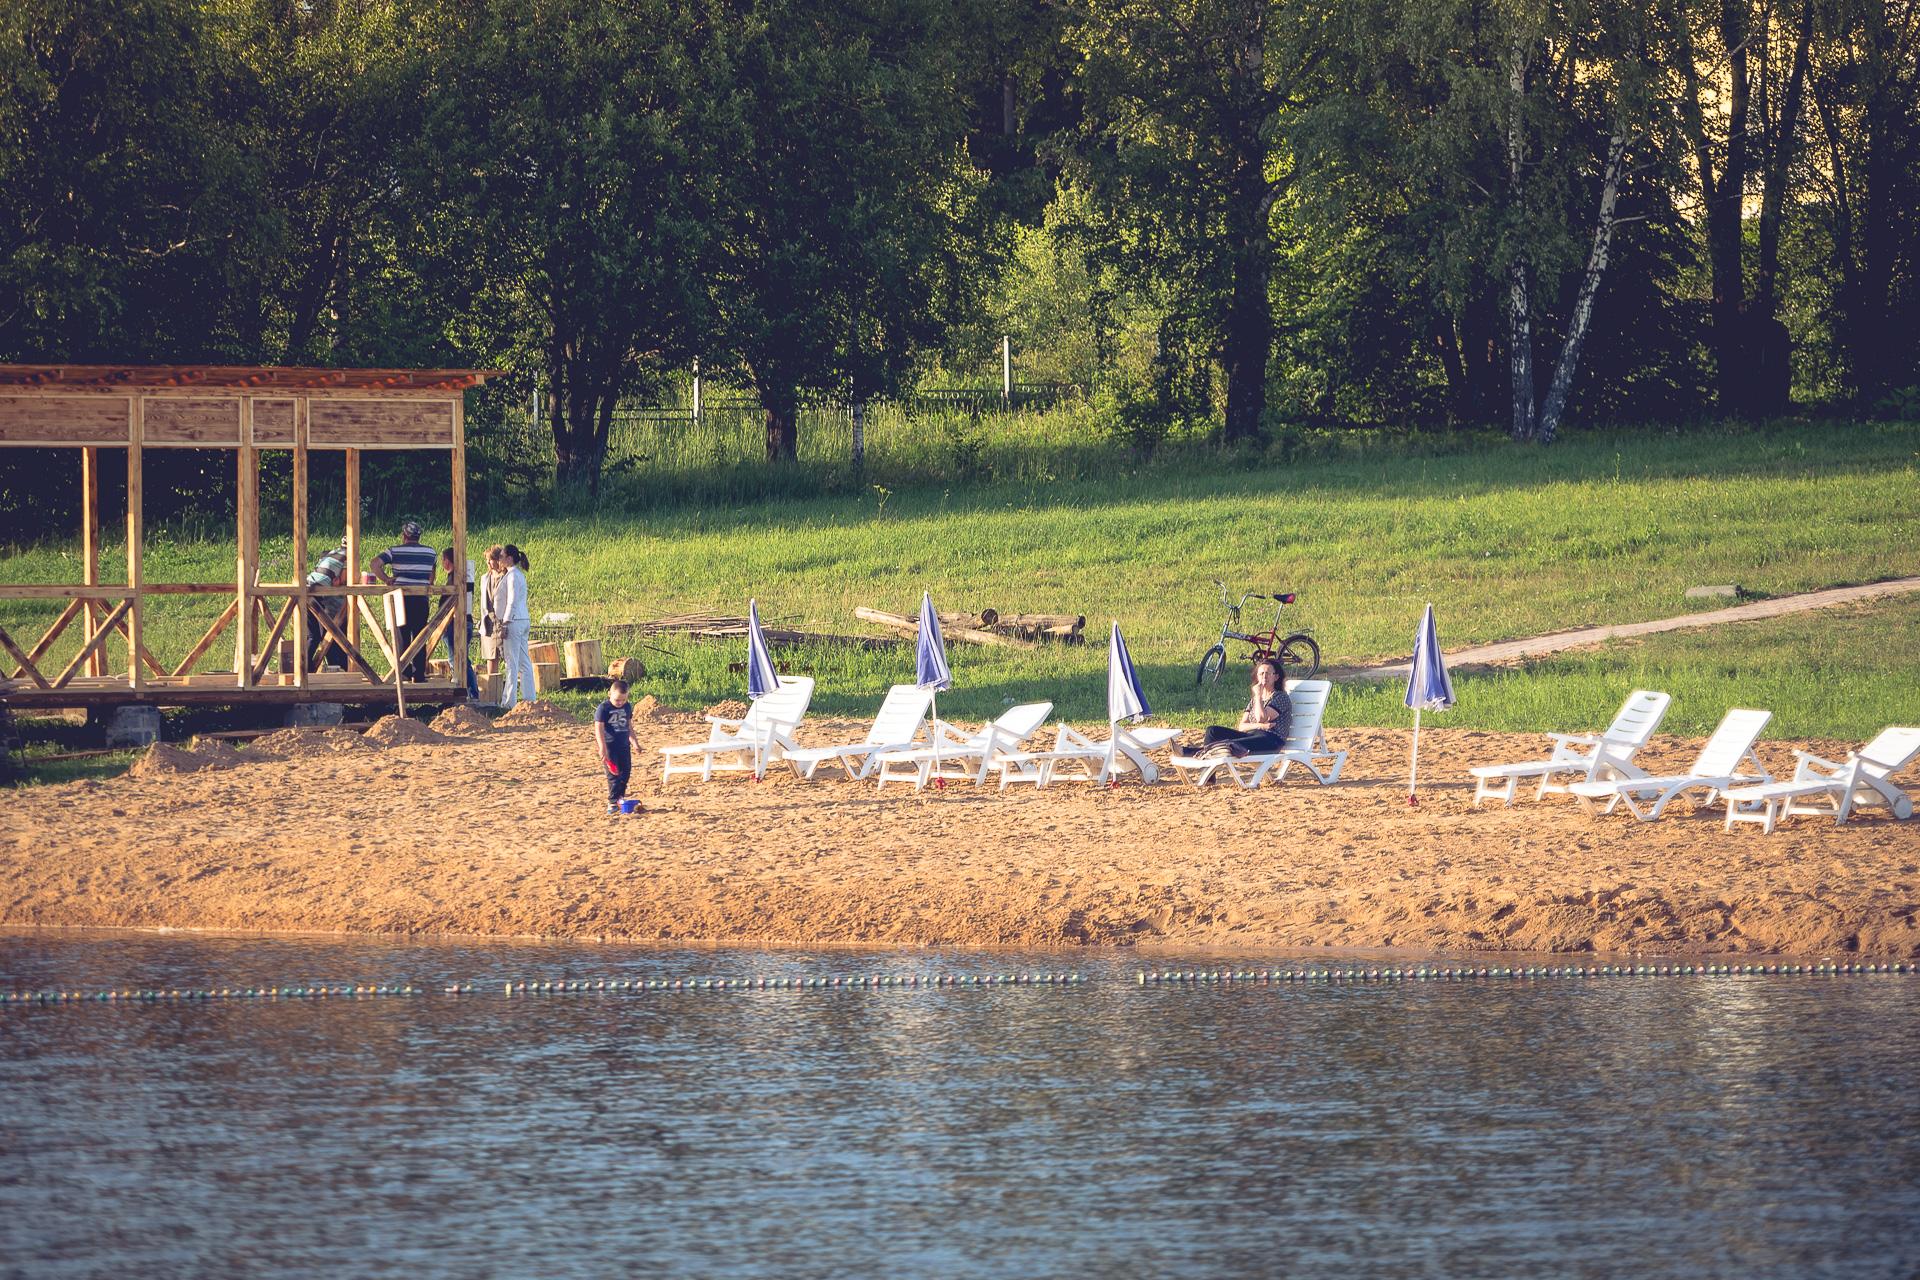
{"x":133,"y":727}
{"x":314,"y":715}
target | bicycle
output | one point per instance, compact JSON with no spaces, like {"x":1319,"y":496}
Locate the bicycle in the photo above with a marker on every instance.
{"x":1298,"y":652}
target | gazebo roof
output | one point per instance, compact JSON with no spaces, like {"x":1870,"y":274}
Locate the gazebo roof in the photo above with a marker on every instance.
{"x":237,"y":377}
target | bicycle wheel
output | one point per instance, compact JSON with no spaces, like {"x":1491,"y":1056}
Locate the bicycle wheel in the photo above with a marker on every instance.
{"x":1299,"y":656}
{"x":1211,"y":666}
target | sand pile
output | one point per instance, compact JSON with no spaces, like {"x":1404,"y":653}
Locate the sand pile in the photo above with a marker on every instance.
{"x":309,"y":744}
{"x":164,"y":760}
{"x":728,"y":710}
{"x":462,"y":721}
{"x":536,"y":715}
{"x":647,"y":711}
{"x":217,"y":750}
{"x":400,"y":731}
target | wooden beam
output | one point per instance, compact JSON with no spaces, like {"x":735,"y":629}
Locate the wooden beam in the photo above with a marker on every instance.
{"x":107,"y":628}
{"x":205,"y":642}
{"x":375,"y":626}
{"x":353,"y":539}
{"x":45,"y":642}
{"x":339,"y":637}
{"x":247,"y":556}
{"x":428,"y":634}
{"x":300,"y":611}
{"x":26,"y":663}
{"x":459,"y":579}
{"x":135,"y":612}
{"x":258,"y":669}
{"x":145,"y":654}
{"x":90,"y":540}
{"x":51,"y":591}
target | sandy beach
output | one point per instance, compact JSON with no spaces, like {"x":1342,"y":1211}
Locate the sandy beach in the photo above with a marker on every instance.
{"x":503,"y":833}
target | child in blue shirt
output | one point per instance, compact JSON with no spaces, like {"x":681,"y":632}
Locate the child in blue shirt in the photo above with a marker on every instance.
{"x":613,"y":729}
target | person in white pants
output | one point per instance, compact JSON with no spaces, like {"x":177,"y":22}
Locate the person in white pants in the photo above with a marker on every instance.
{"x":514,"y":620}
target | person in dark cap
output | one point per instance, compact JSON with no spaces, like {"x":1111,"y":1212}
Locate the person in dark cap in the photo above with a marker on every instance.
{"x":409,"y":564}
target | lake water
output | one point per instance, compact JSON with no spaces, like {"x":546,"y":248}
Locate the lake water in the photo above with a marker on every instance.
{"x":1679,"y":1127}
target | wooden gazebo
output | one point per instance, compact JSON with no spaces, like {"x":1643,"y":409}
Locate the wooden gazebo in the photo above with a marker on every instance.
{"x":245,"y":409}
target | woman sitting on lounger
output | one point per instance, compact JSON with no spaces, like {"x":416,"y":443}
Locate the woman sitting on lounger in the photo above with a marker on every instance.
{"x":1263,"y":725}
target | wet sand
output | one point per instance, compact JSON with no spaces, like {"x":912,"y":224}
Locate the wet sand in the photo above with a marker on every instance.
{"x":505,"y":834}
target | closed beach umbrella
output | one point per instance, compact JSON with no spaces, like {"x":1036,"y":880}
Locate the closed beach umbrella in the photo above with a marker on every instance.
{"x":1429,"y":688}
{"x":1125,"y":699}
{"x":930,"y":670}
{"x":761,"y":677}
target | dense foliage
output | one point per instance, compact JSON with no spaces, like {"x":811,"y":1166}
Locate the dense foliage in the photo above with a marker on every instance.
{"x":1238,"y":216}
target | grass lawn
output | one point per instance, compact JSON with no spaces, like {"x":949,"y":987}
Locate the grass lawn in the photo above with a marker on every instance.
{"x":1505,"y":542}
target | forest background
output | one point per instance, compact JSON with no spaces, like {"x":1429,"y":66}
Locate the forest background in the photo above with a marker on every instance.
{"x":1233,"y":225}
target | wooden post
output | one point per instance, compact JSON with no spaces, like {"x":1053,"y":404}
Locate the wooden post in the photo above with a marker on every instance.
{"x":247,"y":558}
{"x":696,"y":388}
{"x":458,"y":578}
{"x":1006,"y":370}
{"x":90,"y":545}
{"x":300,"y":619}
{"x":136,"y":535}
{"x":353,"y":540}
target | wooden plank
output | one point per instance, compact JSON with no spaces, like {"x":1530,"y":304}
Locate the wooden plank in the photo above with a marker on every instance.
{"x":64,"y":420}
{"x":258,"y":669}
{"x":300,"y":611}
{"x":380,"y":424}
{"x":436,"y":625}
{"x":353,"y":538}
{"x":90,"y":542}
{"x":374,"y":625}
{"x":107,"y":628}
{"x":272,"y":420}
{"x":205,"y":642}
{"x":339,"y":637}
{"x":247,"y":557}
{"x":26,"y":663}
{"x":136,"y":542}
{"x":147,"y":660}
{"x":177,"y":420}
{"x":45,"y":642}
{"x":60,"y":591}
{"x":461,"y":626}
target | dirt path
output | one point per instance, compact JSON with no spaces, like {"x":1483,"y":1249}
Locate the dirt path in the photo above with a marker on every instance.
{"x":1506,"y":651}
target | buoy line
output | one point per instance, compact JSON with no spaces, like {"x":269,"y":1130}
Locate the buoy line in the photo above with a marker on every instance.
{"x":1183,"y":978}
{"x":1475,"y":973}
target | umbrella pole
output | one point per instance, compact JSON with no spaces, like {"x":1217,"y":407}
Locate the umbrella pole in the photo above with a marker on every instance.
{"x":1413,"y":777}
{"x":933,"y":727}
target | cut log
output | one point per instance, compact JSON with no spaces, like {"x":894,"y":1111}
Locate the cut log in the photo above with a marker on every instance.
{"x":1043,"y":621}
{"x":973,"y":635}
{"x":540,"y":653}
{"x":547,"y":676}
{"x":632,"y":670}
{"x":583,"y":659}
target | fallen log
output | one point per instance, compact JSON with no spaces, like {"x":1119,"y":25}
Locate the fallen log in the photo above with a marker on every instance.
{"x":1043,"y":621}
{"x":972,"y":635}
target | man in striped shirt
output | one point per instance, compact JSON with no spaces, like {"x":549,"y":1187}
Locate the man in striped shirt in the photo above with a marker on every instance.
{"x":408,"y":564}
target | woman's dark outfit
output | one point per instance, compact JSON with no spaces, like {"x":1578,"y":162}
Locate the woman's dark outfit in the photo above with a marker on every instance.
{"x":1252,"y":742}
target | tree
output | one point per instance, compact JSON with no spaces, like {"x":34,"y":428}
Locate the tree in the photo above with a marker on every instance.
{"x":847,"y":239}
{"x":567,"y":197}
{"x":1182,"y":145}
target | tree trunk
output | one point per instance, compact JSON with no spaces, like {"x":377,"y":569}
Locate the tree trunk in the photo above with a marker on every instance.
{"x":783,"y":434}
{"x":1249,"y":337}
{"x":1577,"y":323}
{"x":1519,"y":306}
{"x":1771,"y":346}
{"x":1725,"y":231}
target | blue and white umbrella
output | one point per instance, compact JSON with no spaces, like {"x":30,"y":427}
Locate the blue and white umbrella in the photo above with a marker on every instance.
{"x":761,"y":677}
{"x":930,"y":670}
{"x":1125,"y":699}
{"x":1429,"y":688}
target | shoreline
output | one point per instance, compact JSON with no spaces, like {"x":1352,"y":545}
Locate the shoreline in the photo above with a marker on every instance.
{"x":500,"y":838}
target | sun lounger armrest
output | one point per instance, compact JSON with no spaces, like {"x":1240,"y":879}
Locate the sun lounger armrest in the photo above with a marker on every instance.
{"x":721,"y":720}
{"x":1807,"y":757}
{"x":1575,"y":739}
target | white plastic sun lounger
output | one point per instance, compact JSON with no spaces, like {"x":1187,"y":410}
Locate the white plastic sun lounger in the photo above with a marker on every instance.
{"x":899,"y":726}
{"x":966,"y":756}
{"x":1126,"y":750}
{"x":1306,"y":746}
{"x":1716,"y":769}
{"x":1833,"y":787}
{"x":1585,"y":756}
{"x":749,"y":743}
